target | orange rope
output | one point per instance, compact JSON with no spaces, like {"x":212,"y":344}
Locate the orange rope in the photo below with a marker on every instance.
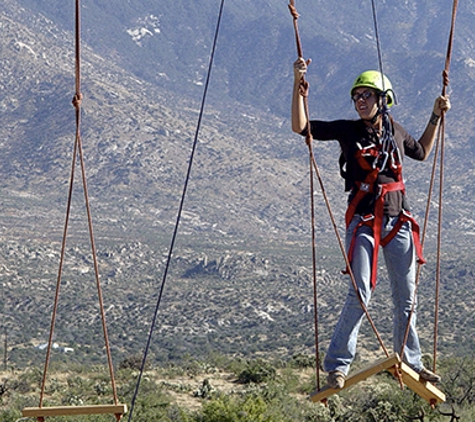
{"x":77,"y":100}
{"x":439,"y":145}
{"x":445,"y":76}
{"x":304,"y":87}
{"x":304,"y":92}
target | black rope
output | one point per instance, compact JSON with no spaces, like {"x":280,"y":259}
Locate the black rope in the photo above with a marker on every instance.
{"x":378,"y":44}
{"x":387,"y":139}
{"x":180,"y":209}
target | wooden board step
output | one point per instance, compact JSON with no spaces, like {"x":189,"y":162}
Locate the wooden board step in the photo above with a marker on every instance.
{"x":43,"y":412}
{"x":410,"y":378}
{"x":424,"y":389}
{"x":379,"y":366}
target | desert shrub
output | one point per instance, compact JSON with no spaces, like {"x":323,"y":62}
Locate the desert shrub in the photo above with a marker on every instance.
{"x":176,"y":414}
{"x":9,"y":415}
{"x":301,"y":361}
{"x":282,"y":405}
{"x":458,"y":380}
{"x":257,"y":371}
{"x":151,"y":406}
{"x":21,"y":385}
{"x":28,"y":381}
{"x":229,"y":409}
{"x":132,"y":362}
{"x":382,"y":401}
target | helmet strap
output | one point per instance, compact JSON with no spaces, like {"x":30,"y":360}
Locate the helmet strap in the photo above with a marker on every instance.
{"x":374,"y":119}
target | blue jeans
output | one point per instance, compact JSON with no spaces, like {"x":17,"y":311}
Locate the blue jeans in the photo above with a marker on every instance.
{"x":400,"y":259}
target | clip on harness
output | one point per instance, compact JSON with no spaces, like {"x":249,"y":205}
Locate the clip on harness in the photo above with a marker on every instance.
{"x":384,"y":154}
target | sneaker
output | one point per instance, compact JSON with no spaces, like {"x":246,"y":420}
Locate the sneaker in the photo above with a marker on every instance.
{"x":336,"y":380}
{"x":427,"y":375}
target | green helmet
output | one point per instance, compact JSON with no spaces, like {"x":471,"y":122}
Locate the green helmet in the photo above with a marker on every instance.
{"x":372,"y":79}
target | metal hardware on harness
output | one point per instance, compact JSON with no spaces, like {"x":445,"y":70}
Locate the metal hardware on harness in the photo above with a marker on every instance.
{"x":365,"y":187}
{"x":367,"y":218}
{"x":385,"y":154}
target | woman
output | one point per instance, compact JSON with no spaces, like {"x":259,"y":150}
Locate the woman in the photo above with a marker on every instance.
{"x":373,"y":148}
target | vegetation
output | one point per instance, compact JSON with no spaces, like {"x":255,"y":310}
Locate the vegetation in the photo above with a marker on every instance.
{"x":222,"y":389}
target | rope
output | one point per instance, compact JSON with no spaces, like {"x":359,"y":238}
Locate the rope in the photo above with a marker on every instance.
{"x":77,"y":100}
{"x":445,"y":79}
{"x":304,"y":87}
{"x":304,"y":91}
{"x":440,"y":144}
{"x":387,"y":139}
{"x":180,"y":209}
{"x":378,"y":43}
{"x":314,"y":266}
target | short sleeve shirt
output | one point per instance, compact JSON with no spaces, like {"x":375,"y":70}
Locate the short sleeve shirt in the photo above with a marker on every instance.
{"x":354,"y":134}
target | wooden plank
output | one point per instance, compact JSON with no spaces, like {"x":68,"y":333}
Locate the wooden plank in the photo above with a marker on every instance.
{"x":41,"y":412}
{"x":374,"y":369}
{"x":423,"y":388}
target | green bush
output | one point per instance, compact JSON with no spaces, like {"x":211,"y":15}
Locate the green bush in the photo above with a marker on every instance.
{"x":132,"y":362}
{"x":227,"y":409}
{"x":301,"y":361}
{"x":257,"y":372}
{"x":458,"y":380}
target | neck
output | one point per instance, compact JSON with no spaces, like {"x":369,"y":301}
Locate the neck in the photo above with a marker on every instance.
{"x":375,"y":122}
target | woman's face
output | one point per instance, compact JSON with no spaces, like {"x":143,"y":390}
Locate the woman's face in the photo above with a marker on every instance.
{"x":366,"y":102}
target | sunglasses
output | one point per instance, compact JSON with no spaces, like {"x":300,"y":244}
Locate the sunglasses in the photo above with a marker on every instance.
{"x":363,"y":96}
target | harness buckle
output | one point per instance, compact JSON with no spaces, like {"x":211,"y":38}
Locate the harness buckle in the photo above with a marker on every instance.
{"x":385,"y":155}
{"x":367,"y":217}
{"x":365,"y":187}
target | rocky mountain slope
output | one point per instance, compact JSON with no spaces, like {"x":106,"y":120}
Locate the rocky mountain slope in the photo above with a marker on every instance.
{"x":240,"y":279}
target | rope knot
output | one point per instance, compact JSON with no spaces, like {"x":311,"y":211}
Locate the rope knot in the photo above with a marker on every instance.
{"x":77,"y":100}
{"x":293,"y":11}
{"x":445,"y":77}
{"x":308,"y":139}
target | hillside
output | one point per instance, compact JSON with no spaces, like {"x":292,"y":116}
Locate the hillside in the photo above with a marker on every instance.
{"x":241,"y":278}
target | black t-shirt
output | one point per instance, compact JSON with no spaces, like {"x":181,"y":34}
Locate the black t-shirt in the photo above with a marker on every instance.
{"x":354,"y":134}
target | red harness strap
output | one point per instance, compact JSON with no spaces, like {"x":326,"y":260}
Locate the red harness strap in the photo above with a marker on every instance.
{"x":375,"y":221}
{"x":363,"y":189}
{"x":378,"y":223}
{"x":404,"y":217}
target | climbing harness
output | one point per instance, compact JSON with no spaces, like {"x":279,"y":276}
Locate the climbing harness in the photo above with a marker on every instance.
{"x":380,"y":157}
{"x":117,"y":409}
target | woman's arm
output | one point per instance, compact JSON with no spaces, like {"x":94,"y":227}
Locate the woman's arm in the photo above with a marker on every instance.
{"x":299,"y":118}
{"x":441,"y":105}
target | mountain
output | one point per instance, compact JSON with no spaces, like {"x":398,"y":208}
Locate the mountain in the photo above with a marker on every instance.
{"x":242,"y":258}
